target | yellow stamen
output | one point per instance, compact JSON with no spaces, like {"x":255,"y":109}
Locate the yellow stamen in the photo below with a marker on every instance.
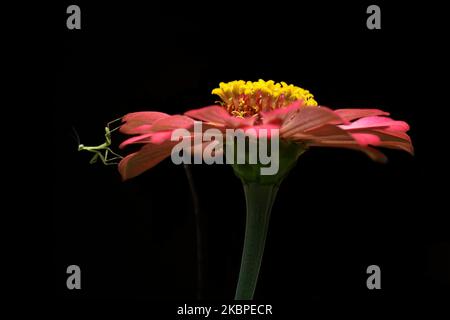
{"x":244,"y":99}
{"x":238,"y":114}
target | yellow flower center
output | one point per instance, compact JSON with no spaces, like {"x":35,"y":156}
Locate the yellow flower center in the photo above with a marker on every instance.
{"x":246,"y":99}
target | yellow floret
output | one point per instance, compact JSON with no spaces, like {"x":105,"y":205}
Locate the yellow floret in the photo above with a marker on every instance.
{"x":243,"y":99}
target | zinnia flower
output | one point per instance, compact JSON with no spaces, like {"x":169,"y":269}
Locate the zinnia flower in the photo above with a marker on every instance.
{"x":264,"y":105}
{"x":267,"y":105}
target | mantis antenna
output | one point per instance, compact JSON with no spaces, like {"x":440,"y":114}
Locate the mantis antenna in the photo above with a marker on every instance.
{"x":102,"y":151}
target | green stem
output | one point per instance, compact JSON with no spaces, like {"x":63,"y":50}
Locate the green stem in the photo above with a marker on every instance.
{"x":259,"y":199}
{"x":260,"y":193}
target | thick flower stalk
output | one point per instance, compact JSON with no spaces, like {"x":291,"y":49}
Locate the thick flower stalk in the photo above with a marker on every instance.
{"x":301,"y":124}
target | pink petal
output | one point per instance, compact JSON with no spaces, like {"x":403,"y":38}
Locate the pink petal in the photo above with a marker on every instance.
{"x":398,"y":145}
{"x":309,"y":118}
{"x":265,"y":129}
{"x":144,"y":116}
{"x":374,"y":154}
{"x":160,"y":137}
{"x":387,"y":134}
{"x":393,"y":140}
{"x":388,"y":139}
{"x":377,"y":122}
{"x":160,"y":131}
{"x":135,"y":128}
{"x":153,"y":137}
{"x":143,"y":138}
{"x":351,"y":114}
{"x":213,"y":114}
{"x":172,"y":123}
{"x":146,"y":158}
{"x":219,"y":117}
{"x":278,"y":116}
{"x":327,"y":133}
{"x":140,"y":122}
{"x":364,"y":139}
{"x":335,"y":137}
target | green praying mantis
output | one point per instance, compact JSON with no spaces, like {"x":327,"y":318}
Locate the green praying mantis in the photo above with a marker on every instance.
{"x":103,"y":150}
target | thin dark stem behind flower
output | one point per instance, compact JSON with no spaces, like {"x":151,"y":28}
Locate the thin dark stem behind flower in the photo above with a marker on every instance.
{"x":198,"y":233}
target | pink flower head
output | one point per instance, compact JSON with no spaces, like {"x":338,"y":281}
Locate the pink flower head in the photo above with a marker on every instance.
{"x":265,"y":105}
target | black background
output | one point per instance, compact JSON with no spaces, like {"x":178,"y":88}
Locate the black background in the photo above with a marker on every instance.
{"x":336,"y":213}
